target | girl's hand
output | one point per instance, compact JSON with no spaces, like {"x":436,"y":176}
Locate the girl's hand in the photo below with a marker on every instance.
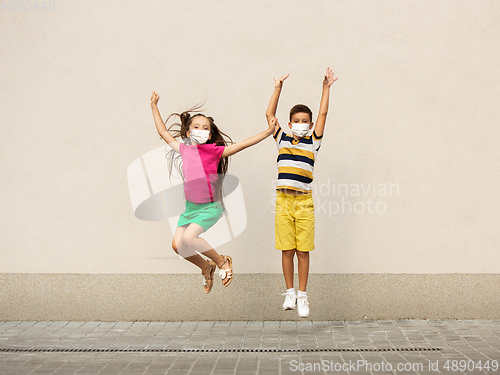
{"x":278,"y":82}
{"x":329,"y":78}
{"x":273,"y":125}
{"x":154,"y":98}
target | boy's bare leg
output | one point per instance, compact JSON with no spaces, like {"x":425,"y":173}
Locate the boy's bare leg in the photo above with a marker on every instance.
{"x":287,"y":264}
{"x":303,"y":266}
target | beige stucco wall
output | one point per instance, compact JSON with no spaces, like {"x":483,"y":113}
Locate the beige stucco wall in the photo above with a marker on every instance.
{"x":132,"y":297}
{"x":415,"y":108}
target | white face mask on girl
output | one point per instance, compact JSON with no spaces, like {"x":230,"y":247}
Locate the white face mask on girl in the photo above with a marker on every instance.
{"x":300,"y":129}
{"x":198,"y":136}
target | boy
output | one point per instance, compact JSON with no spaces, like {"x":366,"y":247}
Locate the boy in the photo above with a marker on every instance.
{"x":294,"y":221}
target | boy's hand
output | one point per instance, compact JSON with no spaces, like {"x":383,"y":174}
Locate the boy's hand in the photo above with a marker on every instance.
{"x":154,"y":98}
{"x":278,"y":82}
{"x":329,"y":78}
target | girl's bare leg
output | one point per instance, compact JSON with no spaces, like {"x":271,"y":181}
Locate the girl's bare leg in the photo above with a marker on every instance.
{"x":187,"y":252}
{"x":191,"y":239}
{"x":287,"y":265}
{"x":303,"y":266}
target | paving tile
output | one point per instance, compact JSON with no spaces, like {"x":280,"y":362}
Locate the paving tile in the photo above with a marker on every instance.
{"x":461,"y":340}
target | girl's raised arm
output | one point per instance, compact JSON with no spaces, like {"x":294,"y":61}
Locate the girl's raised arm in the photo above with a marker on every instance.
{"x":160,"y":125}
{"x":237,"y":147}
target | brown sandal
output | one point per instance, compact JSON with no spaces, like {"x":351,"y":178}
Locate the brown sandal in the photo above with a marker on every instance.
{"x":226,"y":274}
{"x":210,"y":271}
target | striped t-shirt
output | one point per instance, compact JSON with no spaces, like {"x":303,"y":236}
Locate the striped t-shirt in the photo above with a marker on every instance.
{"x":296,"y":160}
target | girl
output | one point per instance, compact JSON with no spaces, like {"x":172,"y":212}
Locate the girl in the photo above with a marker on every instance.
{"x":204,"y":163}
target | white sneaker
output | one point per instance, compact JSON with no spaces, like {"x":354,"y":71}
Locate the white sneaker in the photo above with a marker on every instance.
{"x":302,"y":306}
{"x":290,"y":301}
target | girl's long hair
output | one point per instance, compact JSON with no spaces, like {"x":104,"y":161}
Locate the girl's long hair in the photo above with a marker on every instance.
{"x":179,"y":130}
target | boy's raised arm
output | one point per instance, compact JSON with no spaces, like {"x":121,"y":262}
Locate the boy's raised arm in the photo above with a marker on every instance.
{"x":323,"y":106}
{"x":273,"y":103}
{"x":160,"y":125}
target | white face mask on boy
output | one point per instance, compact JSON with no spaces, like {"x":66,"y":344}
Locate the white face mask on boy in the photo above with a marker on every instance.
{"x":300,"y":129}
{"x":198,"y":136}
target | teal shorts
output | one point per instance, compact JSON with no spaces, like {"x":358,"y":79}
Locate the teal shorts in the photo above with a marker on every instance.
{"x":203,"y":214}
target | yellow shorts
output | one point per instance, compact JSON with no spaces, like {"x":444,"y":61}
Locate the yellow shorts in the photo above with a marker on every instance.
{"x":294,"y":221}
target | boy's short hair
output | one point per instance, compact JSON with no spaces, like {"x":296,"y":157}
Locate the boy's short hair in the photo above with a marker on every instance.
{"x":301,"y":108}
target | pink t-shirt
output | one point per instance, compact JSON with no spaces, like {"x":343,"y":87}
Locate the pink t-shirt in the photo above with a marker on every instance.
{"x":199,"y":165}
